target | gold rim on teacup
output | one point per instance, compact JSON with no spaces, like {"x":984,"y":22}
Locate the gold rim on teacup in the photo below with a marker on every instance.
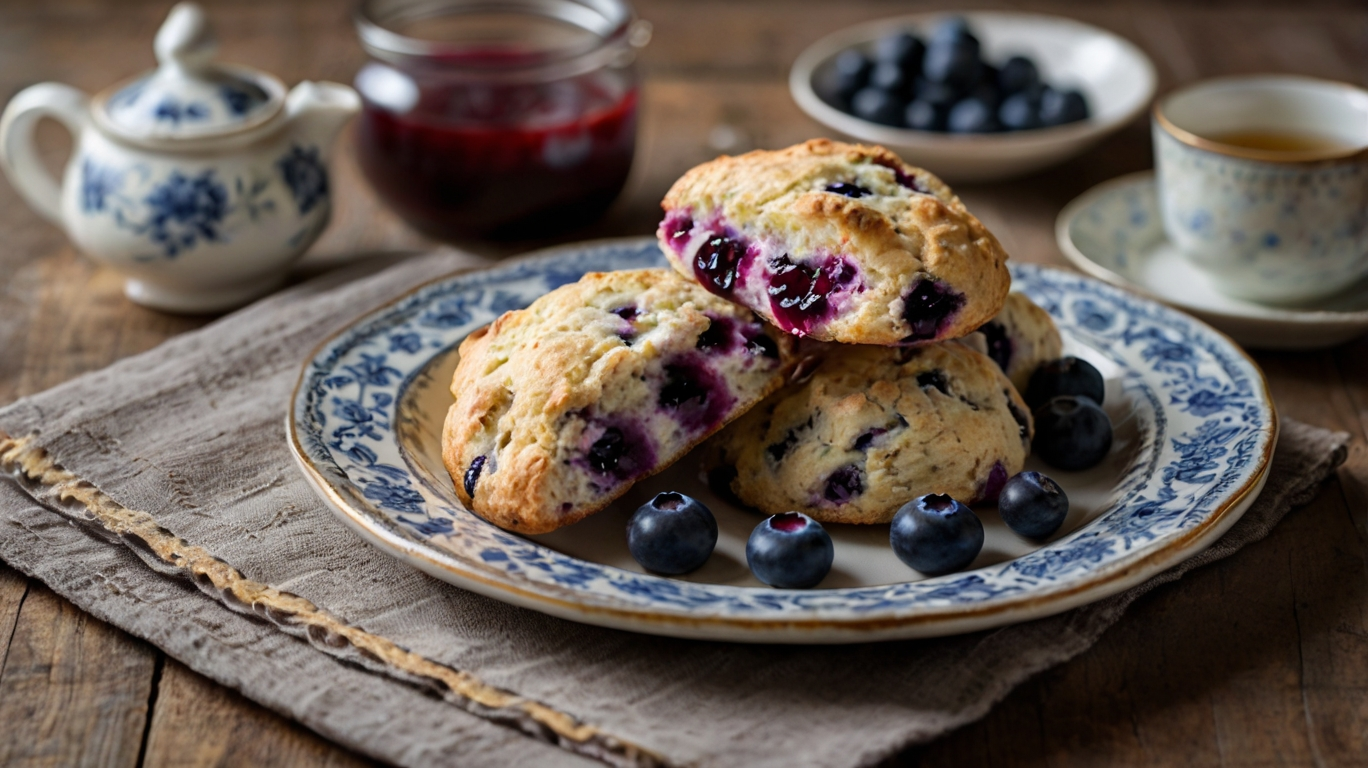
{"x":1248,"y":153}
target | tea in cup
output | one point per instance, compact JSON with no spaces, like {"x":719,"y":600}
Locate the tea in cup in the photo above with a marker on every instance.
{"x":1263,"y":183}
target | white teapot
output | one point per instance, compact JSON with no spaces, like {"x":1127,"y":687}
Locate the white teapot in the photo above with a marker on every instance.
{"x":199,"y":182}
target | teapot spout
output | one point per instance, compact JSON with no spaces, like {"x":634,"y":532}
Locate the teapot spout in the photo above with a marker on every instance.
{"x":317,"y":111}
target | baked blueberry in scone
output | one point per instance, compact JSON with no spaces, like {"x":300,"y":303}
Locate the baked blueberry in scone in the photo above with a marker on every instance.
{"x":839,"y":242}
{"x":560,"y":407}
{"x":874,"y":428}
{"x":1018,"y":339}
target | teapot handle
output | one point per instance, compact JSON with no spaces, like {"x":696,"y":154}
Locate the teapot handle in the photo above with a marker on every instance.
{"x":19,"y":154}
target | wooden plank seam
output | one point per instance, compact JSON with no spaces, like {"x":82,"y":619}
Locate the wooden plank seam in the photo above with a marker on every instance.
{"x":61,"y":491}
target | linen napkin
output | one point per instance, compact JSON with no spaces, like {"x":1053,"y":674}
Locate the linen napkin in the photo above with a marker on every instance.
{"x":159,"y":495}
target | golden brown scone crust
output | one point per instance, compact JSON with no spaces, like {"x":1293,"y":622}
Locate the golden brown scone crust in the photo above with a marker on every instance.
{"x":540,"y":392}
{"x":905,"y":227}
{"x":873,"y":429}
{"x":1018,"y":339}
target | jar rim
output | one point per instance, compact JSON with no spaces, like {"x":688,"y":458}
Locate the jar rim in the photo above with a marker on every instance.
{"x":375,"y":18}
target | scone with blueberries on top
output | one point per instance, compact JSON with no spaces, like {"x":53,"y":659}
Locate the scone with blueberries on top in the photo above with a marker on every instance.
{"x":838,"y":242}
{"x":874,"y":428}
{"x":560,"y":407}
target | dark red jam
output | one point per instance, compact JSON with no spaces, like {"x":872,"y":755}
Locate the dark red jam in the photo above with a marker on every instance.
{"x":460,"y":160}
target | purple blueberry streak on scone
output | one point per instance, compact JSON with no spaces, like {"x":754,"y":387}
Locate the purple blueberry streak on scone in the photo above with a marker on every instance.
{"x":1019,"y":338}
{"x":559,"y":408}
{"x":837,"y":242}
{"x":874,"y":428}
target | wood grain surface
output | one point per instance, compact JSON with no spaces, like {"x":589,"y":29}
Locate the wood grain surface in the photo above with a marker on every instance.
{"x":1259,"y":660}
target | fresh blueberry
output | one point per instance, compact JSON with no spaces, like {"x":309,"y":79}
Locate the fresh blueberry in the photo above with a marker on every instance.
{"x":887,"y":76}
{"x":1060,"y":107}
{"x":790,"y":551}
{"x":1033,"y":505}
{"x":903,"y":49}
{"x":1017,"y":74}
{"x":1019,"y":113}
{"x":972,"y":116}
{"x":941,"y":95}
{"x":1072,"y":433}
{"x":925,"y":116}
{"x":952,"y":29}
{"x":672,"y":534}
{"x":1065,"y":376}
{"x":877,"y":106}
{"x":936,"y":534}
{"x":956,"y":63}
{"x":848,"y":74}
{"x":987,"y":93}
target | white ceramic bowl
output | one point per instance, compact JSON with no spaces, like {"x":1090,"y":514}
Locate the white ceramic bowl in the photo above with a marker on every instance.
{"x":1116,"y":77}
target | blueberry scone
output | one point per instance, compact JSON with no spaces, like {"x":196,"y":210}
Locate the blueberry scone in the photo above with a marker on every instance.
{"x":1018,"y":339}
{"x":560,"y":407}
{"x":874,"y":428}
{"x":839,"y":242}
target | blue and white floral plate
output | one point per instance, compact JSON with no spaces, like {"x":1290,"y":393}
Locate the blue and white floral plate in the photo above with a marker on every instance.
{"x":1195,"y":431}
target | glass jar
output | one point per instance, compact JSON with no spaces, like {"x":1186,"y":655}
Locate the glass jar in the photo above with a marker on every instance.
{"x":498,"y":119}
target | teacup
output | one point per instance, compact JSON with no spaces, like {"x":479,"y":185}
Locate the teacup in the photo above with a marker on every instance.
{"x":1263,"y":183}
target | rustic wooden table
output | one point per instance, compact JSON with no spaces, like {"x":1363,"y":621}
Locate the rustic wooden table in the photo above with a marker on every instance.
{"x":1258,"y":660}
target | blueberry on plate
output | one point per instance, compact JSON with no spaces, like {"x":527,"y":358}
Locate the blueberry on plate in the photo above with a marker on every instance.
{"x":1061,"y":107}
{"x":790,"y":551}
{"x":1065,"y":376}
{"x":1072,"y":433}
{"x":971,"y":116}
{"x":671,"y":534}
{"x":1019,"y":113}
{"x":936,"y":534}
{"x":1017,"y":74}
{"x":1033,"y":505}
{"x":925,"y":116}
{"x":877,"y":106}
{"x":902,"y":49}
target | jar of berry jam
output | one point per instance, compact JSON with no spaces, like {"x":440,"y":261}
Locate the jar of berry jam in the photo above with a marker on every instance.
{"x":503,"y":119}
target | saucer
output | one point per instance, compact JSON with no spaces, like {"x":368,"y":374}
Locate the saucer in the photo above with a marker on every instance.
{"x":1114,"y":232}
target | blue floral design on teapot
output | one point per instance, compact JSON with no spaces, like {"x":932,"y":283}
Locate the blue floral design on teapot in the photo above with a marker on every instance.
{"x":200,"y":182}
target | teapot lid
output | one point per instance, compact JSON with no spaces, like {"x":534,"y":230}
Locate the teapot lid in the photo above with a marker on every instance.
{"x":189,"y":95}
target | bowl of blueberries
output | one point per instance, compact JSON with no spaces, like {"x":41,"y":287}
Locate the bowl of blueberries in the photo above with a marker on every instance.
{"x":976,"y":96}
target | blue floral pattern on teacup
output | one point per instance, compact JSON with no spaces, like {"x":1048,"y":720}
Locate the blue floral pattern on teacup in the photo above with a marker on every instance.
{"x":1265,"y":231}
{"x":1206,"y":425}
